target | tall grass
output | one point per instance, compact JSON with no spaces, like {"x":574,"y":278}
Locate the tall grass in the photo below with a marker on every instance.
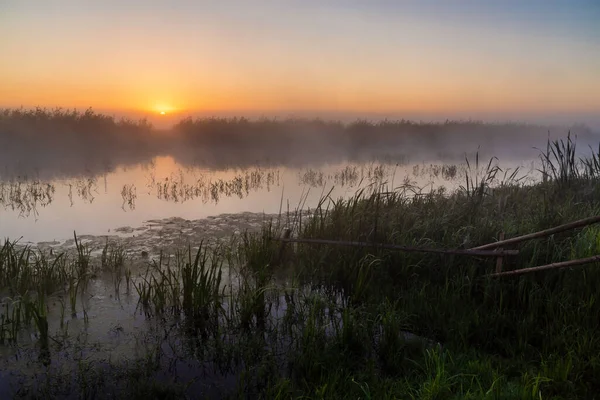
{"x":559,"y":162}
{"x":113,"y":260}
{"x":30,"y":279}
{"x":191,"y":287}
{"x":591,"y":164}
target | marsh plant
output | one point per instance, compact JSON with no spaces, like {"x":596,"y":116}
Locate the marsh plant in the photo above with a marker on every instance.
{"x":113,"y":260}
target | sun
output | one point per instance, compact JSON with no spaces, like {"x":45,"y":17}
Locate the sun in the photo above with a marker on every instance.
{"x":163,"y":108}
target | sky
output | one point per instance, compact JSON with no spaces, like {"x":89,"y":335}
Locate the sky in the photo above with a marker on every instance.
{"x":448,"y":57}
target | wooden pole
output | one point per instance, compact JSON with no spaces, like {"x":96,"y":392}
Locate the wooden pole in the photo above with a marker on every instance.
{"x":499,"y":259}
{"x":563,"y":264}
{"x":481,"y":253}
{"x":546,"y":232}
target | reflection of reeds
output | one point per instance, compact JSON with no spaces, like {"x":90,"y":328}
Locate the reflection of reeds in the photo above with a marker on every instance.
{"x":129,"y":195}
{"x":348,"y":176}
{"x":176,"y":189}
{"x":447,"y":172}
{"x":26,"y":195}
{"x":86,"y":188}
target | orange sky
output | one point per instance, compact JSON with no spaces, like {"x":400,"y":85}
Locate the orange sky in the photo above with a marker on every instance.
{"x":269,"y":57}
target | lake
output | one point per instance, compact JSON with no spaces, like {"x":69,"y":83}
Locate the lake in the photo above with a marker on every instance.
{"x":129,"y":196}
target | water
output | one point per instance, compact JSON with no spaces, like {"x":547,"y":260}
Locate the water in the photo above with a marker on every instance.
{"x":38,"y":209}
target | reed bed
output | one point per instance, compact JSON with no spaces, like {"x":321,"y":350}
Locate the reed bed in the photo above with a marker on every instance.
{"x":73,"y":143}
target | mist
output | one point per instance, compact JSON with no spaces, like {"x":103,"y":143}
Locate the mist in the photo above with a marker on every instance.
{"x":61,"y":144}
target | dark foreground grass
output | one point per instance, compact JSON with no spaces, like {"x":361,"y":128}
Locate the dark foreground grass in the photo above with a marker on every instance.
{"x":324,"y":322}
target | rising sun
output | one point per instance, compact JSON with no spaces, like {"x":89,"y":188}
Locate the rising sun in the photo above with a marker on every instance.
{"x":163,"y":108}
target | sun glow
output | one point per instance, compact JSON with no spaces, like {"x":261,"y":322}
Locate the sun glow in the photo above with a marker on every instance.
{"x":163,"y":109}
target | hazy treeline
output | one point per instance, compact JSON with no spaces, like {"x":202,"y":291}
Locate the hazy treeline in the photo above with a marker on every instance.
{"x":59,"y":142}
{"x":69,"y":142}
{"x":301,"y":140}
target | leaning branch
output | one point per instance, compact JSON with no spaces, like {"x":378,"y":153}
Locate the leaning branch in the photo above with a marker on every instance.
{"x":564,"y":264}
{"x":546,"y":232}
{"x":480,"y":253}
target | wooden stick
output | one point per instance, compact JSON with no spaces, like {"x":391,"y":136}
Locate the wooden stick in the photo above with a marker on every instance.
{"x":546,"y":232}
{"x":563,"y":264}
{"x":481,"y":253}
{"x":499,"y":259}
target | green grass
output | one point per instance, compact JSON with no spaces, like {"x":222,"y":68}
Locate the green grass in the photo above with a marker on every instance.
{"x":327,"y":322}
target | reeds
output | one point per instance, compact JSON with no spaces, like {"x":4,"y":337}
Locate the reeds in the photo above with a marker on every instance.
{"x":30,"y":278}
{"x":559,"y":161}
{"x":191,"y":287}
{"x":113,"y":259}
{"x":591,"y":164}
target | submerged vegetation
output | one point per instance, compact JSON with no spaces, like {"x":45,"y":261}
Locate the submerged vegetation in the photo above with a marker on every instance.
{"x":256,"y":319}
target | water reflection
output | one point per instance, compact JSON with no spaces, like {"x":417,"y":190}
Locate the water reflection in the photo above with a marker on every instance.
{"x":85,"y":187}
{"x":350,"y":175}
{"x":129,"y":195}
{"x":176,"y":189}
{"x":435,"y":171}
{"x":181,"y":184}
{"x":25,"y":196}
{"x":42,"y":210}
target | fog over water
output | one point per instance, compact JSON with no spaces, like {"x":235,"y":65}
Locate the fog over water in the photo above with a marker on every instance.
{"x":63,"y":171}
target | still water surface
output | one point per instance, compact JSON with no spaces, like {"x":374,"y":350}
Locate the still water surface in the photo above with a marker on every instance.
{"x":96,"y":204}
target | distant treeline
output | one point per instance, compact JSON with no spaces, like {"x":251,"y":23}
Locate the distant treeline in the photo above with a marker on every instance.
{"x":361,"y":133}
{"x":44,"y":137}
{"x":56,"y":142}
{"x":52,"y":127}
{"x":447,"y":139}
